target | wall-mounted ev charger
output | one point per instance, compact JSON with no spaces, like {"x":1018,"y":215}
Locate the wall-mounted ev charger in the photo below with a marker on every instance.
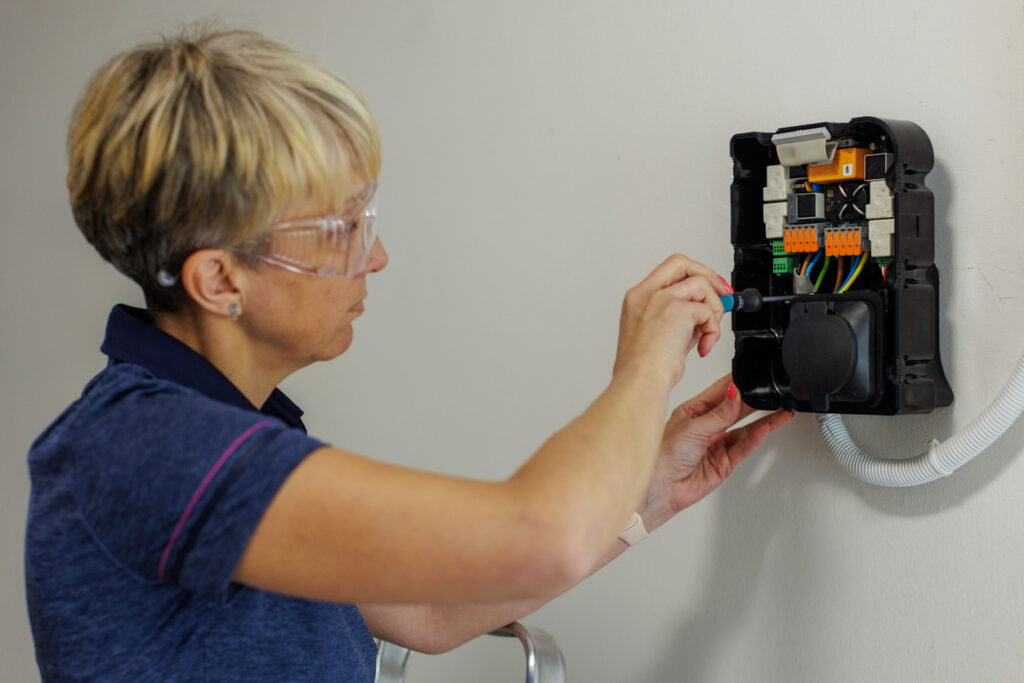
{"x":833,"y":222}
{"x":834,"y":235}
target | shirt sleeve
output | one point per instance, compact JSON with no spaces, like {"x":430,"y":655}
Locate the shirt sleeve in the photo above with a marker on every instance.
{"x":172,"y":484}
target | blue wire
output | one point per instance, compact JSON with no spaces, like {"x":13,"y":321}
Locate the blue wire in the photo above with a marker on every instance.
{"x":817,"y":257}
{"x":853,"y":269}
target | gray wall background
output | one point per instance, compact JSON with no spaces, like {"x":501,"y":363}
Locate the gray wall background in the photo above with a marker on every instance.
{"x":540,"y":158}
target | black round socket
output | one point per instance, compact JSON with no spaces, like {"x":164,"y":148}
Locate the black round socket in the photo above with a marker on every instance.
{"x":819,"y":353}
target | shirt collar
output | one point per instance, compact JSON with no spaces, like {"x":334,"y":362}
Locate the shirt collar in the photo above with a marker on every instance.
{"x":132,"y":338}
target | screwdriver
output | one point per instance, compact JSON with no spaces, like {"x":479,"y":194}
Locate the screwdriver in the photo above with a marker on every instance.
{"x":750,"y":300}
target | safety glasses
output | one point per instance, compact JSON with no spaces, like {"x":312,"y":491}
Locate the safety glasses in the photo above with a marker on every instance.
{"x":333,"y":246}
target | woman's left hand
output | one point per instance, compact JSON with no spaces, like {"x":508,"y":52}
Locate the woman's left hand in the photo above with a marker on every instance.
{"x":697,"y":451}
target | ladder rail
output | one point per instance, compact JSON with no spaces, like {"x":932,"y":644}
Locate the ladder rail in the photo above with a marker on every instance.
{"x":544,"y":660}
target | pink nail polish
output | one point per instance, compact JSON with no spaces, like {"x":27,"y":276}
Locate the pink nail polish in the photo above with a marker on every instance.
{"x":726,"y":283}
{"x":732,"y":392}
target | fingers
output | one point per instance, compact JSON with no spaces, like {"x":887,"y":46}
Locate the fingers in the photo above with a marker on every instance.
{"x":709,"y":399}
{"x":717,"y":418}
{"x":705,"y":400}
{"x":680,"y":324}
{"x":674,"y":309}
{"x":772,"y":421}
{"x":696,"y":288}
{"x":699,"y":289}
{"x":677,"y":268}
{"x":743,"y":441}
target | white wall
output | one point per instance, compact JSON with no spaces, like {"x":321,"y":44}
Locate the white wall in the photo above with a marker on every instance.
{"x":539,"y":159}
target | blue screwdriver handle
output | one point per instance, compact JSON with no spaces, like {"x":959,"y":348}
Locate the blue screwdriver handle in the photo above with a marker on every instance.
{"x":748,"y":300}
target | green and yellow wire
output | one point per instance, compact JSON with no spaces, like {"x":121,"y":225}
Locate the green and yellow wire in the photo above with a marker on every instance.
{"x":821,"y":275}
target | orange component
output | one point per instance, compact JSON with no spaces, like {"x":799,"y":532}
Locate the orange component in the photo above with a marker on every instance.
{"x":842,"y":242}
{"x":800,"y":238}
{"x":846,"y":164}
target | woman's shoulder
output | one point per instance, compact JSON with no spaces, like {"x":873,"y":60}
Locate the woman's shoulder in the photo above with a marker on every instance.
{"x":127,"y":410}
{"x":127,"y":390}
{"x":102,"y":392}
{"x":120,"y":379}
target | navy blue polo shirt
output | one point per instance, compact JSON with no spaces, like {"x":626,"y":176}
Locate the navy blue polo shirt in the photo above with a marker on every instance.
{"x":145,"y":492}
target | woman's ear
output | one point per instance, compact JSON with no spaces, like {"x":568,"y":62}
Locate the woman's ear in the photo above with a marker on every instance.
{"x":215,"y":281}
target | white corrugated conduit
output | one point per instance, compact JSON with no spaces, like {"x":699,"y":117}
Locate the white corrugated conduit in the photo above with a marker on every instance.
{"x":942,"y":459}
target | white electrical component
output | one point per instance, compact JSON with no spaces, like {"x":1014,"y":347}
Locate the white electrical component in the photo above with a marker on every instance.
{"x":880,"y":233}
{"x":774,"y":220}
{"x":776,"y":183}
{"x":880,"y":204}
{"x":808,"y":146}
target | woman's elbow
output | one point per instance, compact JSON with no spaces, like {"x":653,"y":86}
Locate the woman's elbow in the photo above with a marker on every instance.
{"x":434,"y":644}
{"x":554,"y":558}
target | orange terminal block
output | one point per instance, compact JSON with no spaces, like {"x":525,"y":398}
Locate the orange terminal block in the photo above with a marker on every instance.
{"x":800,"y":238}
{"x":842,"y":242}
{"x":853,"y":242}
{"x":811,"y":239}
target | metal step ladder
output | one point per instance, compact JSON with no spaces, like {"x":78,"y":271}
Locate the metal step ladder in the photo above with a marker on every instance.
{"x":544,"y":660}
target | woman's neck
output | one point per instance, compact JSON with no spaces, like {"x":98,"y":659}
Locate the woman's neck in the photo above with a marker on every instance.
{"x":226,"y":346}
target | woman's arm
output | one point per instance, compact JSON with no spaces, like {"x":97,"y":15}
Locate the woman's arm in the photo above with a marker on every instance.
{"x":698,"y":451}
{"x":438,"y":628}
{"x":345,"y":528}
{"x":348,"y":529}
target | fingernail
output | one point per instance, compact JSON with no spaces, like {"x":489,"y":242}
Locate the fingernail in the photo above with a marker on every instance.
{"x":732,"y":392}
{"x":726,"y":283}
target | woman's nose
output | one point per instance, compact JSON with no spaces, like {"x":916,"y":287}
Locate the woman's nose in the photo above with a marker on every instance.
{"x":378,"y":257}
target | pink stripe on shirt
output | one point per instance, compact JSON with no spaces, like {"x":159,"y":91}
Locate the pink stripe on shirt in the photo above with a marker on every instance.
{"x":202,"y":487}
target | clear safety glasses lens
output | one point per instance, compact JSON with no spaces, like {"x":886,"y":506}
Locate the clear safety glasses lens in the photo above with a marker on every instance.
{"x":361,"y":238}
{"x":328,"y":247}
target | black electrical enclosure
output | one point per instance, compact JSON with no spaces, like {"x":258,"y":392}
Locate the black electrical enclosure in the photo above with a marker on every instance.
{"x":836,"y":218}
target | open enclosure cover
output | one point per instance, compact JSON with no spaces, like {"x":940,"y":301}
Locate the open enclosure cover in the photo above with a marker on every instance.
{"x":837,"y":215}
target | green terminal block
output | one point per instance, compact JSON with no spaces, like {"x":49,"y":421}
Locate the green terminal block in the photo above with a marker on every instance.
{"x":783,"y":265}
{"x":884,"y":261}
{"x":778,"y":249}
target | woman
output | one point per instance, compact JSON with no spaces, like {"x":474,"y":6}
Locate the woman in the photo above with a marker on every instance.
{"x":183,"y":526}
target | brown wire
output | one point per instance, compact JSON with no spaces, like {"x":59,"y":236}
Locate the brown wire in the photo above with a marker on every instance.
{"x":807,"y":259}
{"x":839,"y":275}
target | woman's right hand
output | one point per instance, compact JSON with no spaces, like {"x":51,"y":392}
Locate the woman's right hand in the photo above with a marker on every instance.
{"x":673,"y":309}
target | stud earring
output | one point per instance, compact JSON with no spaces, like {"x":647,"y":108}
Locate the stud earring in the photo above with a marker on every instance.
{"x":234,"y":310}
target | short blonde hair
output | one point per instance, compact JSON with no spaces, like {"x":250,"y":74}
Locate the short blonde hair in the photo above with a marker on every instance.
{"x":198,"y":142}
